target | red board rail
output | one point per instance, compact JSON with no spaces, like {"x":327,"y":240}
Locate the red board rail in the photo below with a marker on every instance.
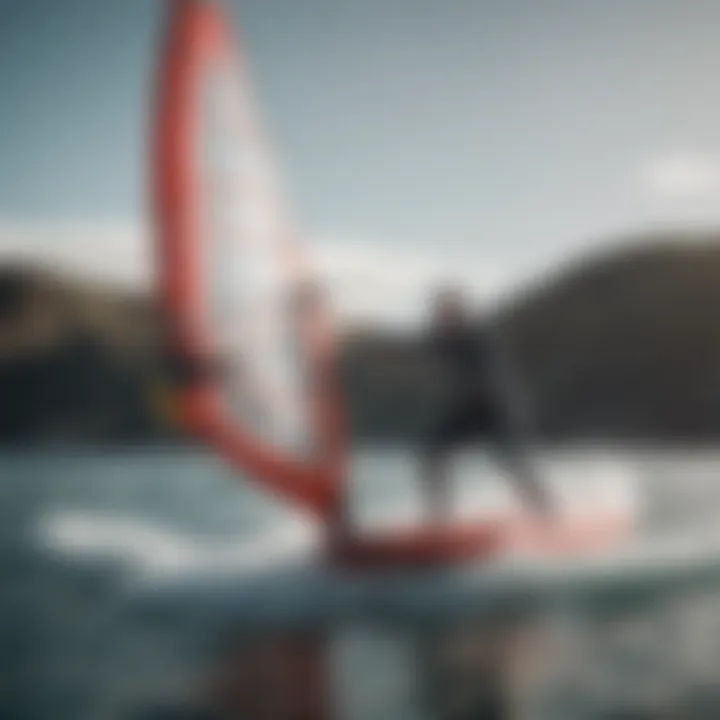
{"x":521,"y":533}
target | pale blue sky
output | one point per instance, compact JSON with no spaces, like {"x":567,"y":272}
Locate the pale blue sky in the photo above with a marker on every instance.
{"x":515,"y":127}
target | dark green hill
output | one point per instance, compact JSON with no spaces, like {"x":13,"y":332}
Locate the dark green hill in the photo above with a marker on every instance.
{"x":623,"y":346}
{"x":626,"y":345}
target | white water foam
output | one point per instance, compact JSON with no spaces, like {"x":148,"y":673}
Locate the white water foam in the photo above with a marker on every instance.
{"x":153,"y":550}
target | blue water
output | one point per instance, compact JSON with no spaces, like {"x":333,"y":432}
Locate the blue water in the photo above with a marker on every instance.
{"x":81,"y":530}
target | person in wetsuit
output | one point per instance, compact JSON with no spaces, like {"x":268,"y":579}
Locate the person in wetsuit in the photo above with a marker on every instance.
{"x":477,"y":403}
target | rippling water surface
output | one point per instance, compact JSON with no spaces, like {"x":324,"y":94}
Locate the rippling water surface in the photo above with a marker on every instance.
{"x":82,"y":531}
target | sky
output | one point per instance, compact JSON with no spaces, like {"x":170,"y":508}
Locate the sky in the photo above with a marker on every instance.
{"x":477,"y":139}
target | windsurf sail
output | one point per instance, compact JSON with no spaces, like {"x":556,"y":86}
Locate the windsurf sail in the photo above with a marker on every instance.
{"x":245,"y":316}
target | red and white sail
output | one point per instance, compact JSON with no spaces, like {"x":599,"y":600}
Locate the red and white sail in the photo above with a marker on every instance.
{"x":233,"y":279}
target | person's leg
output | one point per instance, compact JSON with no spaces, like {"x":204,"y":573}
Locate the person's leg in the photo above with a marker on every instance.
{"x":510,"y":451}
{"x":436,"y":484}
{"x":434,"y":460}
{"x":456,"y":426}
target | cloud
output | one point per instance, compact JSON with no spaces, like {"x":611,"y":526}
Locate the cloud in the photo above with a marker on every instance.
{"x":115,"y":253}
{"x":391,"y":280}
{"x":680,"y":175}
{"x":369,"y":279}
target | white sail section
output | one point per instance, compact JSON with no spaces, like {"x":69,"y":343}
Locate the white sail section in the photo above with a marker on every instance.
{"x":248,"y":279}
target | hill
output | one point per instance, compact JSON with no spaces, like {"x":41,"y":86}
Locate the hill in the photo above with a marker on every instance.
{"x":622,"y":346}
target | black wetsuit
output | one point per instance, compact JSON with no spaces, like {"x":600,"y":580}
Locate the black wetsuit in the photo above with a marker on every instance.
{"x":480,"y":401}
{"x":472,"y":405}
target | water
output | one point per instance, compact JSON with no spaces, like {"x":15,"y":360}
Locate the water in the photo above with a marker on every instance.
{"x":80,"y":531}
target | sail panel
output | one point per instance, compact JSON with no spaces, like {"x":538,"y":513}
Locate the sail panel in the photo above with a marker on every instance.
{"x":233,"y":278}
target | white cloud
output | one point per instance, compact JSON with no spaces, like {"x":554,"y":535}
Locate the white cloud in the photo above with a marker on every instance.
{"x":680,"y":175}
{"x":391,"y":280}
{"x":369,"y":279}
{"x":116,"y":253}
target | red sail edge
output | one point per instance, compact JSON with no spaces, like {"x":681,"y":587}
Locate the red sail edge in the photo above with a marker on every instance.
{"x":199,"y":34}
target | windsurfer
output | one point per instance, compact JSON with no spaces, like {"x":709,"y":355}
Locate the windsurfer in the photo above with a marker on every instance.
{"x":475,"y":403}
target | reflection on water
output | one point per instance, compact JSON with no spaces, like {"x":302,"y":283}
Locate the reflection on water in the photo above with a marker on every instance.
{"x":80,"y":531}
